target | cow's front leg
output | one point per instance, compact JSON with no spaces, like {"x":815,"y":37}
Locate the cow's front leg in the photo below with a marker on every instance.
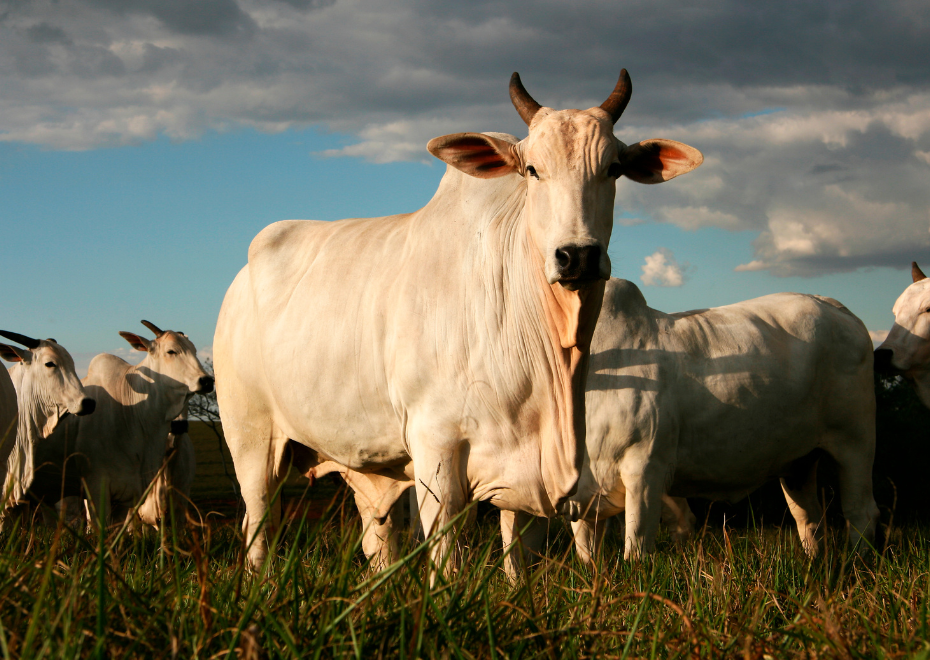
{"x":588,"y":536}
{"x":440,"y":497}
{"x":644,"y":490}
{"x":528,"y":532}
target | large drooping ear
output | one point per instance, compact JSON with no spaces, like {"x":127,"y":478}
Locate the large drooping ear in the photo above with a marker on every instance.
{"x":137,"y":342}
{"x":655,"y":161}
{"x":14,"y":354}
{"x":477,"y":155}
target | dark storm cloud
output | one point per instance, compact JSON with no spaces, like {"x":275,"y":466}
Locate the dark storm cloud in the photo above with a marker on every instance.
{"x":200,"y":17}
{"x":814,"y":116}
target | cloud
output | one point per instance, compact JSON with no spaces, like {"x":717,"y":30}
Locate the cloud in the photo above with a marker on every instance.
{"x":878,"y":336}
{"x":814,"y":120}
{"x":661,"y":269}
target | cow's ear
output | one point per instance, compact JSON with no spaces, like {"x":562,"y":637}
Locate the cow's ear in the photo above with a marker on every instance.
{"x":655,"y":161}
{"x":137,"y":342}
{"x":475,"y":154}
{"x":14,"y":354}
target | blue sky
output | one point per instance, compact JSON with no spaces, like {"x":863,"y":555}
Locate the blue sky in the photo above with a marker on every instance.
{"x":143,"y":145}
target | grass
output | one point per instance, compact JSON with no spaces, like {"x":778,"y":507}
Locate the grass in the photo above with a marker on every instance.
{"x":728,"y":593}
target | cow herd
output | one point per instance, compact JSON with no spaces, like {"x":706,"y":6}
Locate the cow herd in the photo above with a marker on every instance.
{"x":125,"y":420}
{"x":476,"y":349}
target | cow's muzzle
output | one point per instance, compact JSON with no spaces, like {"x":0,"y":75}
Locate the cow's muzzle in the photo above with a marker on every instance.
{"x":578,"y":266}
{"x":205,"y":384}
{"x":882,"y":362}
{"x":87,"y":406}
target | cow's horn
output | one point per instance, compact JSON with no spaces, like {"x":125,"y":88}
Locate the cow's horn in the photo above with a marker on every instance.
{"x":28,"y":342}
{"x":154,"y":328}
{"x":916,"y":273}
{"x":526,"y":106}
{"x":616,"y":102}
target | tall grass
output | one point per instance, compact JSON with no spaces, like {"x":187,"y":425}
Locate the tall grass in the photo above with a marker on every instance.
{"x":747,"y":593}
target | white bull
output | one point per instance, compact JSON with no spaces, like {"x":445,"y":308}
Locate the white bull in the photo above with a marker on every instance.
{"x":118,"y":451}
{"x":713,"y":403}
{"x":45,"y":390}
{"x":446,"y":346}
{"x":906,"y":349}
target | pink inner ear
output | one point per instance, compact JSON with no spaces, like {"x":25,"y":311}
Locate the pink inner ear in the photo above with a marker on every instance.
{"x":476,"y":153}
{"x":671,"y":156}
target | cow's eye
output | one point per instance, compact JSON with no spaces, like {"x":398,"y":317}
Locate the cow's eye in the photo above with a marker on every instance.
{"x":50,"y":365}
{"x":172,"y":352}
{"x":532,"y":171}
{"x":614,"y":170}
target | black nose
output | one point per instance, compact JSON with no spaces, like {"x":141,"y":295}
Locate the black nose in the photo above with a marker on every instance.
{"x":206,"y":384}
{"x":88,"y":406}
{"x":578,"y":264}
{"x":883,"y":357}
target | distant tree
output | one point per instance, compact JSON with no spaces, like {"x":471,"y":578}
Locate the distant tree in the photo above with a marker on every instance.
{"x":204,"y":408}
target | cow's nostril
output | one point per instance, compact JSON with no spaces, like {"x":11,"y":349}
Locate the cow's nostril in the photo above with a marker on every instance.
{"x":206,"y":384}
{"x":88,"y":406}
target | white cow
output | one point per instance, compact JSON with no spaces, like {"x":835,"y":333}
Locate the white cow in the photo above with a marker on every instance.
{"x":172,"y":487}
{"x":715,"y":402}
{"x":906,"y":349}
{"x":446,"y":346}
{"x":119,"y":450}
{"x":45,"y":390}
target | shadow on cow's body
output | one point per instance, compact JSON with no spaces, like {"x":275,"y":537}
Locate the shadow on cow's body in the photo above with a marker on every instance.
{"x":715,"y":403}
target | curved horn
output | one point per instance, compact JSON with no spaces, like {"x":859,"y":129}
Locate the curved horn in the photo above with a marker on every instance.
{"x":28,"y":342}
{"x":616,"y":102}
{"x":154,"y":328}
{"x":522,"y":101}
{"x":916,"y":273}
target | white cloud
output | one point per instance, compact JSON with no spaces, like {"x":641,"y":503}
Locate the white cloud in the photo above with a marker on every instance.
{"x":661,"y":269}
{"x":878,"y":336}
{"x":831,"y":176}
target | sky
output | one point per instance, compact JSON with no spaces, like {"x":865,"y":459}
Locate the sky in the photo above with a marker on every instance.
{"x":144,"y":143}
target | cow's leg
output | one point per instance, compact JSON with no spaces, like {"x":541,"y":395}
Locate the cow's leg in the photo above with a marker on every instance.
{"x":855,"y":472}
{"x":259,"y":471}
{"x":801,"y":493}
{"x":588,"y":537}
{"x":441,"y":495}
{"x":528,"y":532}
{"x":677,"y":515}
{"x":645,"y":487}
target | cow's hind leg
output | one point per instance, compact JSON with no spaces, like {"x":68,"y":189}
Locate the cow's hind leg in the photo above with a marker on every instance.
{"x":677,"y":515}
{"x":800,"y":490}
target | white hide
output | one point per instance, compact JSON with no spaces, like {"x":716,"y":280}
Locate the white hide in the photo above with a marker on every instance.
{"x":715,"y":402}
{"x":438,"y":346}
{"x":906,"y":349}
{"x":47,"y":390}
{"x":118,"y":450}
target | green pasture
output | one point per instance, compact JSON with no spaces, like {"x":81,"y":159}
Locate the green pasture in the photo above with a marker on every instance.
{"x":741,"y":588}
